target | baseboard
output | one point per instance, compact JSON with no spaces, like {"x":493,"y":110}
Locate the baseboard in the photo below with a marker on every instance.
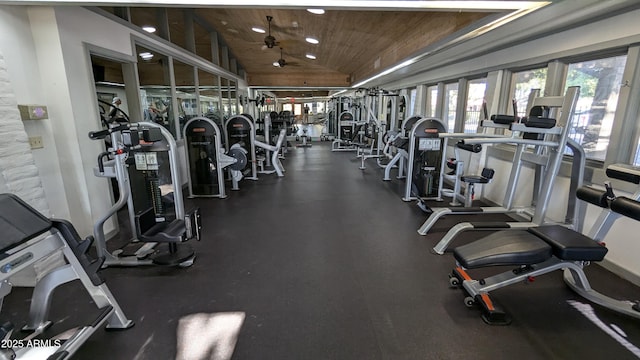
{"x":620,"y":271}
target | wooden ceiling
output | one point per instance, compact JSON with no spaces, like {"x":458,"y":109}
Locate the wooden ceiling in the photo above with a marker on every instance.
{"x":354,"y":45}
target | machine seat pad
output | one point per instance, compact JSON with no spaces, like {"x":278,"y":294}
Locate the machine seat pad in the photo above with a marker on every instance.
{"x":570,"y":245}
{"x":503,"y":248}
{"x":161,"y":232}
{"x":474,"y":179}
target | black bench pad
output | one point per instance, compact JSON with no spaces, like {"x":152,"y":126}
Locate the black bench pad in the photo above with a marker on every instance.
{"x":503,"y":248}
{"x":163,"y":232}
{"x":570,"y":245}
{"x":474,"y":179}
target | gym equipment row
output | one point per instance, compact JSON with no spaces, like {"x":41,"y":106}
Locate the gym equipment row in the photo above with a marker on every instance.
{"x":539,"y":250}
{"x":207,"y":154}
{"x":29,"y":237}
{"x":549,"y":139}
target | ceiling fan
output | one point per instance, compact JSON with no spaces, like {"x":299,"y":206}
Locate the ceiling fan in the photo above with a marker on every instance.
{"x":282,"y":62}
{"x":269,"y":40}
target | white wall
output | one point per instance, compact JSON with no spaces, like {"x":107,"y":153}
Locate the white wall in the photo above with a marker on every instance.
{"x":17,"y":47}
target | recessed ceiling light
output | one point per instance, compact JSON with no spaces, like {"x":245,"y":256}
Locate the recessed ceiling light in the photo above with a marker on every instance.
{"x":149,"y":29}
{"x":258,"y":30}
{"x":312,"y":40}
{"x":316,"y":11}
{"x":233,"y":31}
{"x":311,"y":56}
{"x":146,"y":55}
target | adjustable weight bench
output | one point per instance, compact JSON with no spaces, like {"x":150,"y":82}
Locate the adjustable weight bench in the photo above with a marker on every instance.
{"x":28,"y":237}
{"x":537,"y":251}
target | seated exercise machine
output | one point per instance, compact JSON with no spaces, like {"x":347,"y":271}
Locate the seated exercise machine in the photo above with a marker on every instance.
{"x":347,"y":133}
{"x":549,"y":139}
{"x":134,"y":152}
{"x":425,"y":153}
{"x":399,"y":148}
{"x":272,"y":152}
{"x":457,"y":163}
{"x":207,"y":158}
{"x":371,"y":143}
{"x":459,"y":177}
{"x":539,"y":250}
{"x":28,"y":237}
{"x":240,"y":134}
{"x":305,"y":138}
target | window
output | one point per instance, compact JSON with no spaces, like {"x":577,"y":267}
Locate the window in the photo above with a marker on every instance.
{"x":475,"y":98}
{"x":521,"y":85}
{"x":210,"y":97}
{"x":413,"y":93}
{"x":432,"y":100}
{"x":185,"y":94}
{"x":155,"y":87}
{"x":450,"y":104}
{"x":592,"y":121}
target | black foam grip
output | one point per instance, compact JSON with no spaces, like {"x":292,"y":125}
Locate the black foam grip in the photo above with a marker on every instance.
{"x":101,"y":134}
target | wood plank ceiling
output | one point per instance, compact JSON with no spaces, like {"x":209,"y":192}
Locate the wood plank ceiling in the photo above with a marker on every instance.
{"x":354,"y":45}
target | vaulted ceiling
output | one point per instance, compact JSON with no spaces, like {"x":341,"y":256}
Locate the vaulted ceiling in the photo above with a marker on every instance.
{"x":353,"y":44}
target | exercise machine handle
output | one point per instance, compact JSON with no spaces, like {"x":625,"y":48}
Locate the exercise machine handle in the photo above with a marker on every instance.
{"x":101,"y":134}
{"x":100,"y":162}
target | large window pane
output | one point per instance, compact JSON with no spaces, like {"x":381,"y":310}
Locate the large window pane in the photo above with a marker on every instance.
{"x":522,"y":83}
{"x":599,"y":82}
{"x":450,"y":104}
{"x":432,"y":100}
{"x":155,"y":87}
{"x":233,"y":98}
{"x":210,"y":97}
{"x":475,"y":98}
{"x":185,"y":93}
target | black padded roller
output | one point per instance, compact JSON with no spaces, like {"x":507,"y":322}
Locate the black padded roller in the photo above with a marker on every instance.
{"x":624,"y":172}
{"x":539,"y":122}
{"x":593,"y":196}
{"x":504,"y":119}
{"x":627,"y":207}
{"x":475,"y":148}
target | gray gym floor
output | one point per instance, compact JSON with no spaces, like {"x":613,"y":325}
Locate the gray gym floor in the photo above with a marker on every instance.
{"x":325,"y":263}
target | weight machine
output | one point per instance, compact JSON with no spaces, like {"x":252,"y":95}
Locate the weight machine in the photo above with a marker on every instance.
{"x":135,"y":147}
{"x":425,"y":151}
{"x":549,"y":139}
{"x":240,"y":134}
{"x":206,"y":159}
